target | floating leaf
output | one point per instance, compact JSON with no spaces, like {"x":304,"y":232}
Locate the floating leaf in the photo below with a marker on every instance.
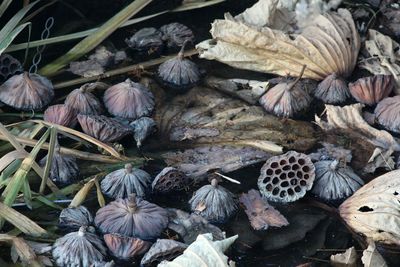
{"x":372,"y":258}
{"x":203,"y":252}
{"x":346,"y":259}
{"x":329,"y":44}
{"x":260,"y":213}
{"x":374,"y":209}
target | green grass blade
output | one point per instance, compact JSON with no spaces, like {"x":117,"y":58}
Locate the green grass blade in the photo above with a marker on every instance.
{"x":16,"y":183}
{"x":22,"y":222}
{"x":75,"y":35}
{"x":4,"y":43}
{"x":52,"y":146}
{"x":47,"y":202}
{"x":26,"y":190}
{"x":4,"y":5}
{"x":93,"y":40}
{"x":15,"y":20}
{"x":13,"y":167}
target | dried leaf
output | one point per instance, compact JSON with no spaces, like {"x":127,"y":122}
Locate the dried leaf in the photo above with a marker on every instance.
{"x":260,"y":213}
{"x":329,"y":44}
{"x":21,"y":250}
{"x":20,"y":221}
{"x":203,"y":252}
{"x":346,"y":259}
{"x":374,"y":209}
{"x":349,"y":118}
{"x":372,"y":258}
{"x":382,"y":57}
{"x":189,"y":226}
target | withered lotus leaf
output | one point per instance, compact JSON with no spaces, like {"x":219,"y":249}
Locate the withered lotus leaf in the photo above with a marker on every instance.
{"x":78,"y":249}
{"x":170,"y":179}
{"x":83,"y":101}
{"x":75,"y":217}
{"x":332,"y":90}
{"x":333,"y":181}
{"x":371,"y":90}
{"x":179,"y":73}
{"x":329,"y":44}
{"x":189,"y":226}
{"x":103,"y":128}
{"x":204,"y":252}
{"x":214,"y":202}
{"x":64,"y":168}
{"x":286,"y":99}
{"x":175,"y":34}
{"x":27,"y":91}
{"x":129,"y":100}
{"x":61,"y":114}
{"x":132,"y":217}
{"x":146,"y":41}
{"x":387,"y":113}
{"x":374,"y":209}
{"x":163,"y":249}
{"x":260,"y":213}
{"x":124,"y":247}
{"x":123,"y":182}
{"x":142,"y":128}
{"x":287,"y":177}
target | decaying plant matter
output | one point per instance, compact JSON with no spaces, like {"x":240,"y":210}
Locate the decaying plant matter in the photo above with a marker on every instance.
{"x":286,"y":178}
{"x":374,"y":209}
{"x":382,"y":56}
{"x":207,"y":252}
{"x":328,"y":44}
{"x":349,"y":120}
{"x":260,"y":213}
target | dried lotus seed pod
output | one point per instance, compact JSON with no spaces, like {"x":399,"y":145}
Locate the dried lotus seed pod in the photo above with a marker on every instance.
{"x":78,"y":249}
{"x":286,"y":99}
{"x":147,"y":41}
{"x":121,"y":183}
{"x":179,"y":73}
{"x":334,"y":182}
{"x":170,"y":179}
{"x":387,"y":113}
{"x":371,"y":90}
{"x":214,"y":202}
{"x":332,"y":90}
{"x":287,"y":177}
{"x":75,"y":217}
{"x":175,"y":34}
{"x":132,"y":217}
{"x":9,"y":66}
{"x":61,"y":114}
{"x":83,"y":101}
{"x":27,"y":91}
{"x":126,"y":248}
{"x":64,"y":168}
{"x":103,"y":128}
{"x":163,"y":249}
{"x":142,"y":128}
{"x":129,"y":100}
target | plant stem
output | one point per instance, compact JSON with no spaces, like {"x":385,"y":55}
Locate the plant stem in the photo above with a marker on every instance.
{"x":142,"y":65}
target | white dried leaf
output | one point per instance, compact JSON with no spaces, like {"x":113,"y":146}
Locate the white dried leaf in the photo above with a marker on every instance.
{"x":330,"y":44}
{"x":374,"y":209}
{"x":203,"y":252}
{"x":349,"y":118}
{"x":383,"y":56}
{"x":372,"y":258}
{"x":346,"y":259}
